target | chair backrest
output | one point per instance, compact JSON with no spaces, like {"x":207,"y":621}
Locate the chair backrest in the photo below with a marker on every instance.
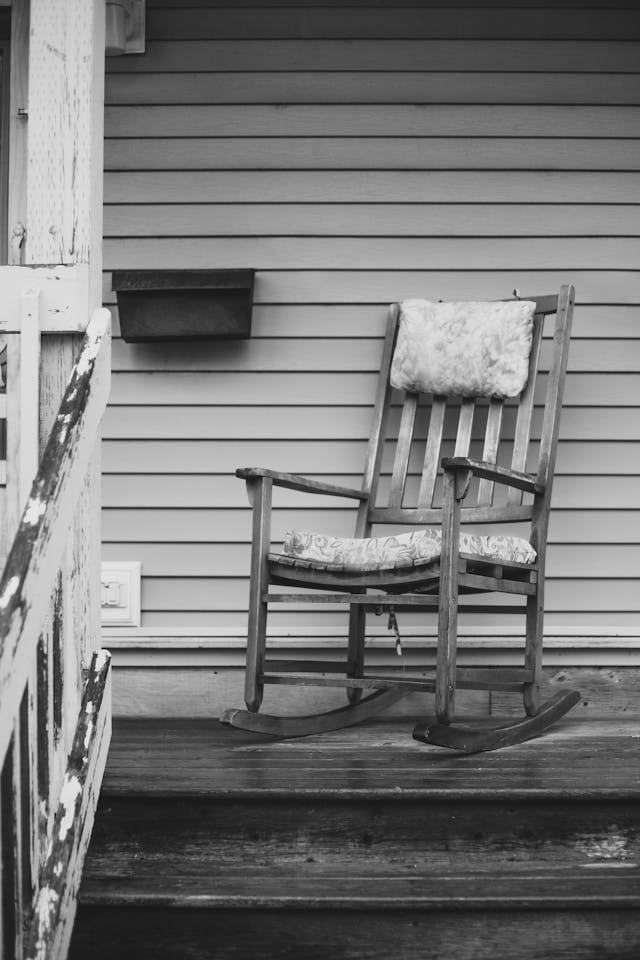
{"x":403,"y":466}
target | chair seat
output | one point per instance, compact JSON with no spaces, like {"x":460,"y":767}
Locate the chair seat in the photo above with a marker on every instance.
{"x":416,"y":548}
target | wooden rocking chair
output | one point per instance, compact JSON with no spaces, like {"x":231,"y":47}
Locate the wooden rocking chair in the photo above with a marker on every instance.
{"x":473,"y":491}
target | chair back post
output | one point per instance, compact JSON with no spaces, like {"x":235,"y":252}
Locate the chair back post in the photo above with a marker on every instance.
{"x":378,"y":431}
{"x":551,"y":418}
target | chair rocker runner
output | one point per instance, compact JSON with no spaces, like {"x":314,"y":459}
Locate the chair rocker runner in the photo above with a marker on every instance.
{"x":456,"y":365}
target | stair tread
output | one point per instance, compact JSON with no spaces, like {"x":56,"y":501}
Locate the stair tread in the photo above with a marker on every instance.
{"x":169,"y":757}
{"x":309,"y":885}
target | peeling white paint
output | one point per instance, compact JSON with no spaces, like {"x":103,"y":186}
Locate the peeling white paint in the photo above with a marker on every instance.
{"x":34,"y":510}
{"x":45,"y":909}
{"x":102,"y":659}
{"x":9,"y":591}
{"x":88,"y":735}
{"x":88,"y":356}
{"x":71,"y":790}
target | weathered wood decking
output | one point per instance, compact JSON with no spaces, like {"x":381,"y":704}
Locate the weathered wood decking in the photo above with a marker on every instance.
{"x":362,"y":843}
{"x":174,"y":756}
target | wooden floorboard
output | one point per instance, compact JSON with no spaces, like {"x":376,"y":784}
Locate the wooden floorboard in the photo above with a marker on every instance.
{"x":313,"y":886}
{"x":172,"y":757}
{"x":149,"y":933}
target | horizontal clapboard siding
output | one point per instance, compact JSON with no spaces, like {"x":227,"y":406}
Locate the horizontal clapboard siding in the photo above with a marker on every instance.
{"x":355,"y":153}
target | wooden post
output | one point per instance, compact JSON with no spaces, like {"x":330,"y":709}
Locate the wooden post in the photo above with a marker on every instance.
{"x":23,"y":362}
{"x":66,"y":107}
{"x":64,"y":210}
{"x":18,"y":112}
{"x":64,"y":226}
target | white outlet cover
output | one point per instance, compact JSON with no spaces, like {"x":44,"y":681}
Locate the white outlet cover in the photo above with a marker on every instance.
{"x":124,"y":574}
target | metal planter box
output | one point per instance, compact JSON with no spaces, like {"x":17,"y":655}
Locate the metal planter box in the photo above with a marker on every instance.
{"x":184,"y":304}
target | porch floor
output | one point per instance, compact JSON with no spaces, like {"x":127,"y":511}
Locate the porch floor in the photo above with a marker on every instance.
{"x":577,"y":757}
{"x":212,"y":842}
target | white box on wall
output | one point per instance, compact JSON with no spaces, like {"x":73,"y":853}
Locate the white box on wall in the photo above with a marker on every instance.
{"x":120,"y":593}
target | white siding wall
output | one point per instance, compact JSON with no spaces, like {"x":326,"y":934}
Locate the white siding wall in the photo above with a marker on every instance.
{"x":355,"y":154}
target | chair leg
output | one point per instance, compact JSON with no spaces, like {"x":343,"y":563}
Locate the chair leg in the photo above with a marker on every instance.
{"x":260,"y":498}
{"x":446,"y":668}
{"x":448,"y":604}
{"x":355,"y":667}
{"x":533,"y":650}
{"x":256,"y":644}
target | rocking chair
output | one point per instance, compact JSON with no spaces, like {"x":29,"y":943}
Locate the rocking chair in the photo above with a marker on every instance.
{"x":429,"y":569}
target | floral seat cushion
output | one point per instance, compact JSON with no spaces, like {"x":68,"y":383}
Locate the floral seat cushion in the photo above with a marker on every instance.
{"x":467,"y":349}
{"x":417,"y":548}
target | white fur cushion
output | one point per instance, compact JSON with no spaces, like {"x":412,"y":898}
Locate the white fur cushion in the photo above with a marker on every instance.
{"x":465,"y":349}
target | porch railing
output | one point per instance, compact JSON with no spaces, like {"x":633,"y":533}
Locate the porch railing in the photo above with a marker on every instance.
{"x":54,"y":679}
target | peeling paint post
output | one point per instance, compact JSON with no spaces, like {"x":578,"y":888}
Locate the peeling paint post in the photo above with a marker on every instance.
{"x":52,"y":683}
{"x":64,"y":228}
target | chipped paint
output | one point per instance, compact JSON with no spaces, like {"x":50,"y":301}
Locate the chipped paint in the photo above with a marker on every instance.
{"x":8,"y":592}
{"x":88,"y":734}
{"x":71,"y":790}
{"x":33,"y":511}
{"x":88,"y":356}
{"x":45,"y":911}
{"x":102,"y":658}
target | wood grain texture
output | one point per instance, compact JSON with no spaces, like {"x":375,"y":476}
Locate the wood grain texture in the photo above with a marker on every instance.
{"x":65,"y":143}
{"x":19,"y":95}
{"x":205,"y":691}
{"x":377,"y":758}
{"x":480,"y":937}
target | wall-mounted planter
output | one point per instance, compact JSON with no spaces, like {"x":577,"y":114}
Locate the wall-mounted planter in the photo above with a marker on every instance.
{"x":184,"y":304}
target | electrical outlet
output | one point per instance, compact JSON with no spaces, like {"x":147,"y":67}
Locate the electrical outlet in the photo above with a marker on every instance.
{"x":120,"y":593}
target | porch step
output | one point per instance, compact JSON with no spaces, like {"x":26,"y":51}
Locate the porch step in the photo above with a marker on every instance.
{"x":211,"y":842}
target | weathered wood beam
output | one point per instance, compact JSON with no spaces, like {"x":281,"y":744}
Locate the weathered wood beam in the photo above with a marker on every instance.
{"x":50,"y":931}
{"x":34,"y":560}
{"x":18,"y":106}
{"x":23,"y":414}
{"x":64,"y":295}
{"x":66,"y":107}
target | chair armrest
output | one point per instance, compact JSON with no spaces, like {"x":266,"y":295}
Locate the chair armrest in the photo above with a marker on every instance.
{"x":294,"y":482}
{"x":489,"y":471}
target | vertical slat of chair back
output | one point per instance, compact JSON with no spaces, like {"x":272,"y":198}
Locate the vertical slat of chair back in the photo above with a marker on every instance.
{"x":525,"y":411}
{"x":490,"y":449}
{"x":375,"y":448}
{"x":426,"y":492}
{"x":403,"y":450}
{"x":465,"y":428}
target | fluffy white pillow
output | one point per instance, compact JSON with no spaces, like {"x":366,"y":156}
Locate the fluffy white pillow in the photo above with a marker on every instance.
{"x":465,"y":349}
